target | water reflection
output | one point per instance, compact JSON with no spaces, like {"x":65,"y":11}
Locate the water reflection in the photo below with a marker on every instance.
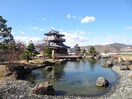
{"x":92,"y":64}
{"x":83,"y":61}
{"x":76,"y":78}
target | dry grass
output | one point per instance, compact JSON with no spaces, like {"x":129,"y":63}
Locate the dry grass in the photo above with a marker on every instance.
{"x":2,"y":71}
{"x":35,"y":61}
{"x":39,"y":60}
{"x":32,"y":63}
{"x":126,"y":56}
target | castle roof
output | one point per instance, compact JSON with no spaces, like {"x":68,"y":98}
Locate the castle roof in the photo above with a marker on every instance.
{"x":53,"y":32}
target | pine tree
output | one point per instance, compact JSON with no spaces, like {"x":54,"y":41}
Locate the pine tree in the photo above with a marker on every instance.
{"x":7,"y":44}
{"x":31,"y":49}
{"x":92,"y":51}
{"x":48,"y":52}
{"x":6,"y":38}
{"x":29,"y":52}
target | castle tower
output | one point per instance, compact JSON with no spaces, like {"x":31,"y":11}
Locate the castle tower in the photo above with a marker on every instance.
{"x":55,"y":40}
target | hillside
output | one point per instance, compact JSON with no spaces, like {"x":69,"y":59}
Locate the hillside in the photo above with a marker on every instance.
{"x":110,"y":48}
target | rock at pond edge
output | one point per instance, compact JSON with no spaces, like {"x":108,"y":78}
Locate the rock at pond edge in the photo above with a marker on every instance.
{"x":102,"y":82}
{"x":44,"y":88}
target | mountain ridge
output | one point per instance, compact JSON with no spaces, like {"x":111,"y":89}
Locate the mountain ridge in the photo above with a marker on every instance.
{"x":113,"y":47}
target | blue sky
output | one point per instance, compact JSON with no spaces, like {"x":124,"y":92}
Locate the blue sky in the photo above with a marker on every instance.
{"x":85,"y":22}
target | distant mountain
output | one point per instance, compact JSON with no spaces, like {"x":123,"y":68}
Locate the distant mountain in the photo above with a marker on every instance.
{"x":118,"y":45}
{"x":111,"y":48}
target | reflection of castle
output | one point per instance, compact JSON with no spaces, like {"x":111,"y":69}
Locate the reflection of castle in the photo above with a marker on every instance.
{"x":54,"y":40}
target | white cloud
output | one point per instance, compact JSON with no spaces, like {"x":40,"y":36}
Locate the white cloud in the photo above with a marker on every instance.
{"x":75,"y":37}
{"x":26,"y":39}
{"x":91,"y":33}
{"x":117,"y":39}
{"x":68,"y":16}
{"x":22,"y":32}
{"x":19,"y":32}
{"x":129,"y":28}
{"x":88,"y":19}
{"x":72,"y":38}
{"x":37,"y":28}
{"x":79,"y":37}
{"x":72,"y":16}
{"x":42,"y":19}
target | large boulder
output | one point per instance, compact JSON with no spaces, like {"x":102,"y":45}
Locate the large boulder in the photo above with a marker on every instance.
{"x":48,"y":68}
{"x":20,"y":71}
{"x":126,"y":62}
{"x":120,"y":60}
{"x":130,"y":75}
{"x":8,"y":73}
{"x":44,"y":88}
{"x":130,"y":67}
{"x":109,"y":64}
{"x":47,"y":63}
{"x":60,"y":61}
{"x":102,"y":82}
{"x":124,"y":68}
{"x":111,"y":61}
{"x":115,"y":60}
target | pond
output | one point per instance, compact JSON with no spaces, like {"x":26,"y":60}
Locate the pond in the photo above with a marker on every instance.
{"x":76,"y":77}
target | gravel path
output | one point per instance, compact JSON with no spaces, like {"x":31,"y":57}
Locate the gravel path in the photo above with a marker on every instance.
{"x":123,"y":88}
{"x":21,"y":89}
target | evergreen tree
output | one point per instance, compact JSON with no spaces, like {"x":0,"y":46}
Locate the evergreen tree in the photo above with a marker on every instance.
{"x":31,"y":49}
{"x":26,"y":55}
{"x":92,"y":51}
{"x":29,"y":52}
{"x":84,"y":52}
{"x":48,"y":52}
{"x":7,"y":42}
{"x":6,"y":38}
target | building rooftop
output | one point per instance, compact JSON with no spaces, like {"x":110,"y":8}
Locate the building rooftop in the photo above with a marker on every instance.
{"x":53,"y":32}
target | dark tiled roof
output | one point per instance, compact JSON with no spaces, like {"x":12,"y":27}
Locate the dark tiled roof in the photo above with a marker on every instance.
{"x":53,"y":32}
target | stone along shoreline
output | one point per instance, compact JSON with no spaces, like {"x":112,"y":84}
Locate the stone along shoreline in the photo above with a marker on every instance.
{"x":22,"y":89}
{"x":122,"y":89}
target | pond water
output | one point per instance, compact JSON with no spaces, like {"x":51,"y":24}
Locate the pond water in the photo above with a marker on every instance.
{"x":76,"y":77}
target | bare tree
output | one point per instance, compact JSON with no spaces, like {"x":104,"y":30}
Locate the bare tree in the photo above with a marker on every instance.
{"x":41,"y":48}
{"x":14,"y":55}
{"x":106,"y":49}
